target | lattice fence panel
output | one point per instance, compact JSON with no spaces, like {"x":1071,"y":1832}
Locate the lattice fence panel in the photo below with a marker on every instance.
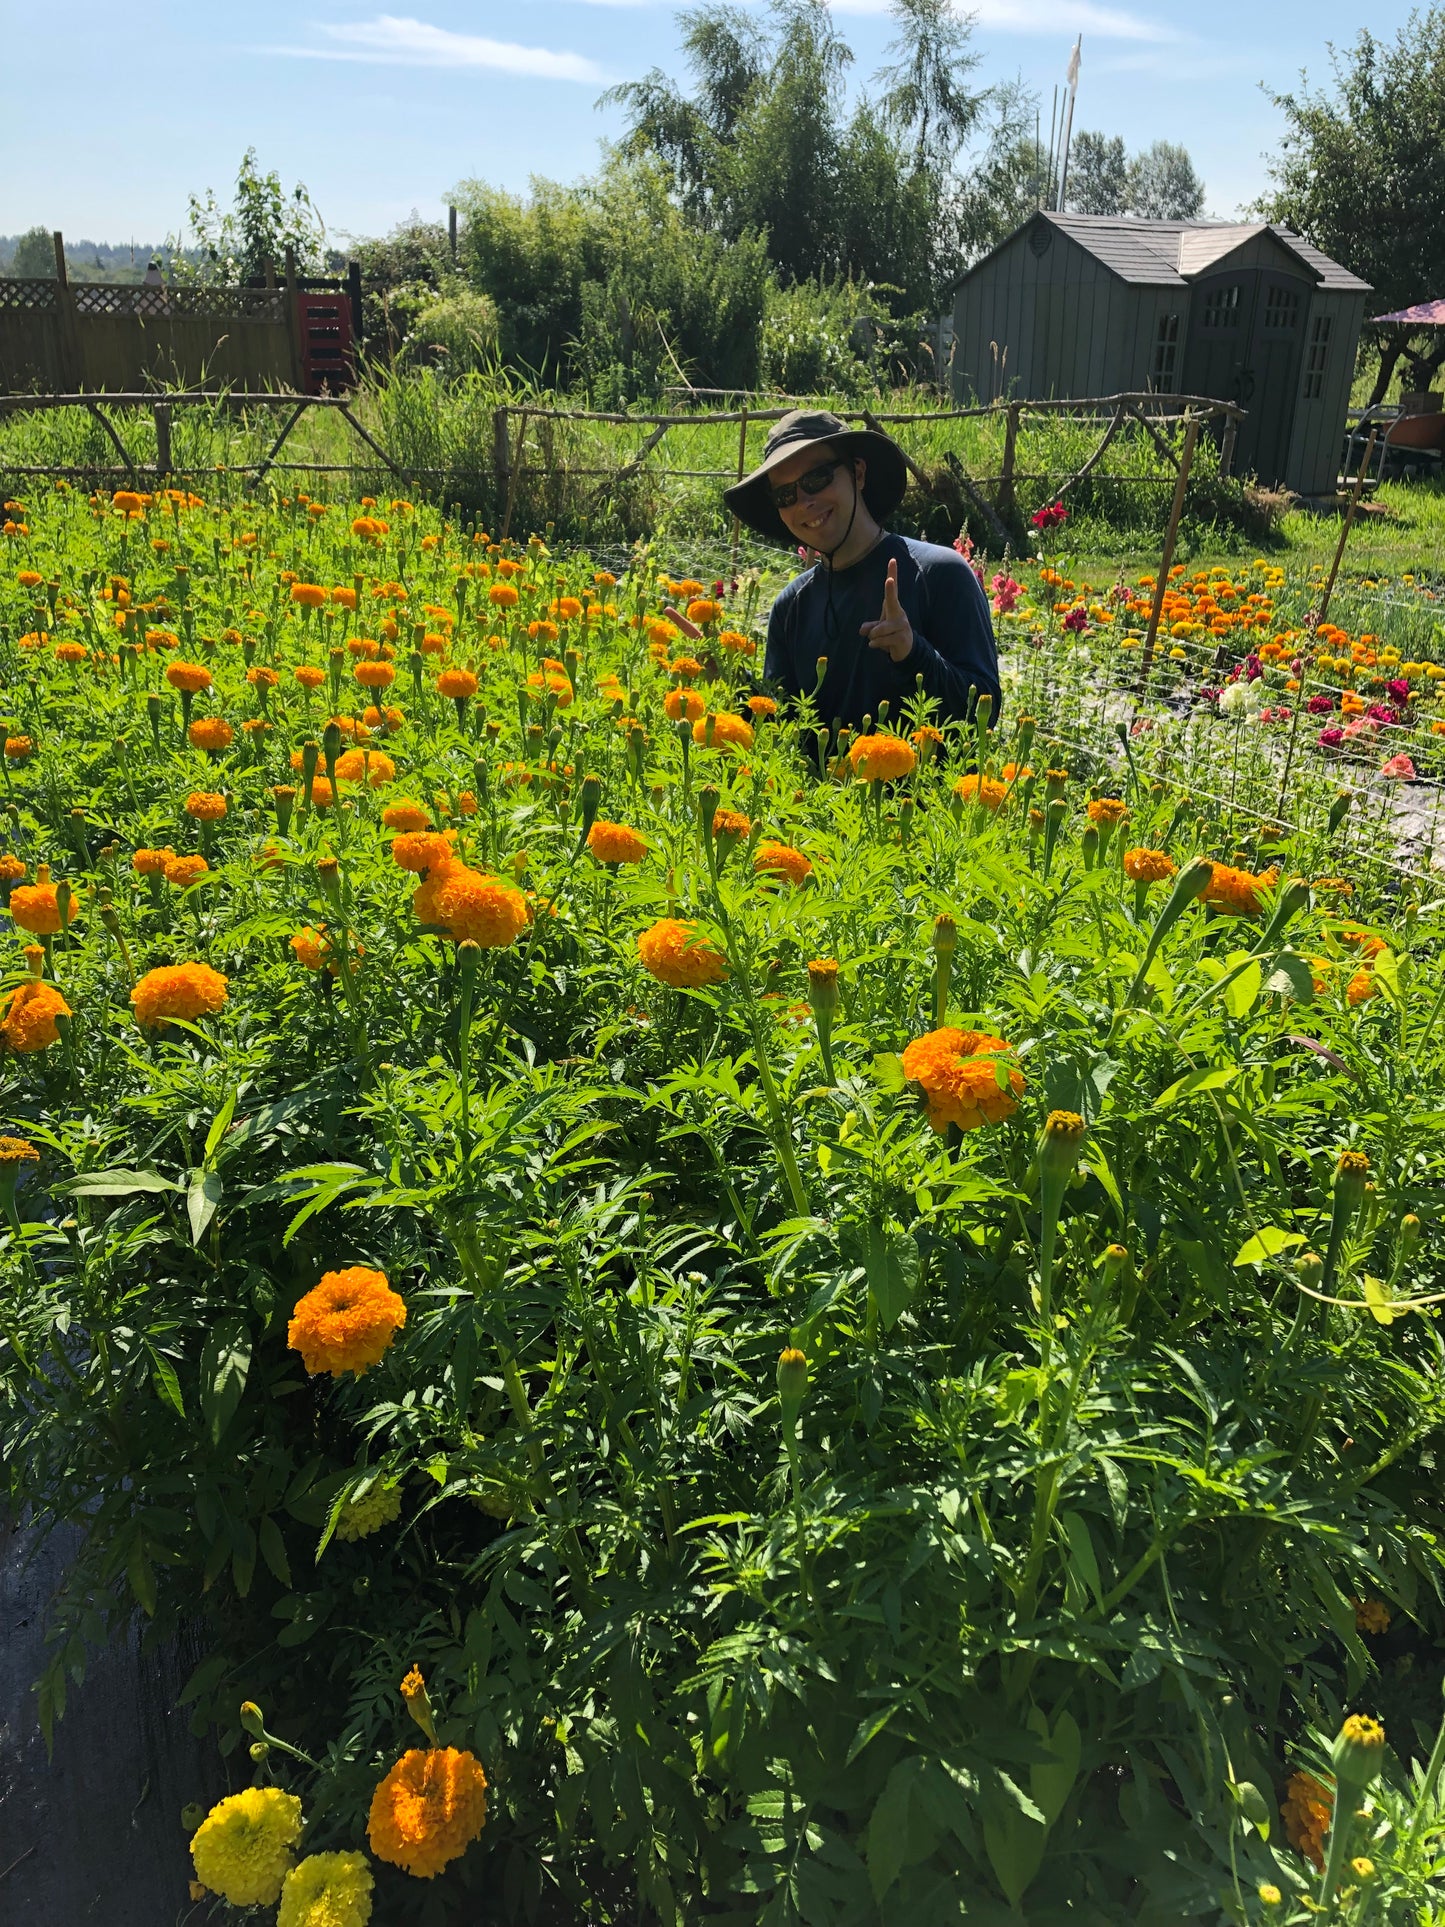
{"x":27,"y":296}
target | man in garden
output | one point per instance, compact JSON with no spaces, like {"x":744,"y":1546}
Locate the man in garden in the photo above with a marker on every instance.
{"x":882,"y":609}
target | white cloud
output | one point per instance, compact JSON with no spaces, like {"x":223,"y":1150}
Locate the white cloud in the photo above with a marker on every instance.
{"x":397,"y":41}
{"x":1054,"y":21}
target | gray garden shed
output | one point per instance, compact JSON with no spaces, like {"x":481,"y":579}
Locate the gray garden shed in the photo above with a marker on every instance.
{"x":1096,"y":304}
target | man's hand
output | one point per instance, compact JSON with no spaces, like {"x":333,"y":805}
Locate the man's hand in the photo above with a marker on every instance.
{"x":892,"y":631}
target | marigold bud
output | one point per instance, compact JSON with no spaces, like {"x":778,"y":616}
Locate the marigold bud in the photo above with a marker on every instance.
{"x":1309,"y":1268}
{"x":1409,"y":1229}
{"x":328,"y":875}
{"x":792,"y":1378}
{"x":1351,"y":1172}
{"x":252,"y":1720}
{"x":823,"y":986}
{"x":1358,"y":1752}
{"x":945,"y":934}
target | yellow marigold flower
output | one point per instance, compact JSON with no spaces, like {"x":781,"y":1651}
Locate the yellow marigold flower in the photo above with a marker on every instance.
{"x":30,"y":1014}
{"x":723,"y":729}
{"x":359,"y":1518}
{"x":406,"y":816}
{"x":428,"y":1810}
{"x":1306,"y":1810}
{"x":309,"y":676}
{"x":310,"y":595}
{"x":36,"y":906}
{"x":182,"y":871}
{"x":1108,"y":811}
{"x":460,"y":683}
{"x":211,"y":733}
{"x":957,"y":1072}
{"x":1269,"y":1893}
{"x":18,"y":1150}
{"x":327,"y":1889}
{"x":780,"y":859}
{"x":676,"y":953}
{"x":369,"y":765}
{"x":189,"y":677}
{"x":206,"y":806}
{"x":1148,"y":866}
{"x":683,"y":705}
{"x":1371,"y":1616}
{"x":347,"y":1322}
{"x":881,"y":757}
{"x":242,"y":1850}
{"x":188,"y":990}
{"x":616,"y":843}
{"x":17,"y":748}
{"x":11,"y":868}
{"x":986,"y":790}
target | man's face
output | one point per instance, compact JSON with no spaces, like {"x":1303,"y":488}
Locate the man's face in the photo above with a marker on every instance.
{"x":819,"y":521}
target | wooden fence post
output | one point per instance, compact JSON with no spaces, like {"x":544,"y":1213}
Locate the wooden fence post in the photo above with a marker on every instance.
{"x":513,"y":473}
{"x":501,"y":450}
{"x":162,"y":413}
{"x":742,"y":470}
{"x":71,"y":371}
{"x":1171,"y":535}
{"x":293,"y":322}
{"x":1010,"y":452}
{"x":1226,"y":447}
{"x":1349,"y":523}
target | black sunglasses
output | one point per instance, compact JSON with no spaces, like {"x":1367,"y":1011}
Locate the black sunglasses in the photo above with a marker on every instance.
{"x":813,"y":483}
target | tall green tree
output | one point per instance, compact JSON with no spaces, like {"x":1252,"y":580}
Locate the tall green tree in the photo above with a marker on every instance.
{"x":34,"y":256}
{"x":1161,"y":184}
{"x":1359,"y":174}
{"x":1098,"y":174}
{"x":251,"y":237}
{"x":926,"y":98}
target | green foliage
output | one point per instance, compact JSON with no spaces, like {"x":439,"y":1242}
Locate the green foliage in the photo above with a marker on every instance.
{"x":34,"y":256}
{"x":249,"y":239}
{"x":1030,"y":1600}
{"x":459,"y":332}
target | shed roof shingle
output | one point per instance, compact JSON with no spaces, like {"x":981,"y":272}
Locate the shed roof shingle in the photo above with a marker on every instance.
{"x":1168,"y":254}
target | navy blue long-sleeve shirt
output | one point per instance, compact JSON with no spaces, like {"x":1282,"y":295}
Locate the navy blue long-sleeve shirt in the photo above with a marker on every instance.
{"x":953,"y":643}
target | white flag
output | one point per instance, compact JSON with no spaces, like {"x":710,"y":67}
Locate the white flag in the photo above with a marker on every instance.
{"x":1073,"y":73}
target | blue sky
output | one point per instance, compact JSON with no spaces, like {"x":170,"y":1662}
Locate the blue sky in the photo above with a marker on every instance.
{"x":112,"y":113}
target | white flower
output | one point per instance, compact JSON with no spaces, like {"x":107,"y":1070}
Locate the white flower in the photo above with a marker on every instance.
{"x":1234,"y":700}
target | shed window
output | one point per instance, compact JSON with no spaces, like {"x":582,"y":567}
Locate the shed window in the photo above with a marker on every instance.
{"x":1319,"y":351}
{"x":1221,"y":307}
{"x":1281,"y":308}
{"x":1166,"y":353}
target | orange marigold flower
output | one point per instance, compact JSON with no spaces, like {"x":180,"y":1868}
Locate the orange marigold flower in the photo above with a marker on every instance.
{"x":957,"y":1071}
{"x":1236,"y":892}
{"x":683,"y":704}
{"x":312,"y":947}
{"x":71,"y":652}
{"x":182,"y":871}
{"x":365,"y":765}
{"x":428,"y":1810}
{"x":735,"y":643}
{"x":30,"y":1014}
{"x":476,"y":908}
{"x":12,"y":868}
{"x":1108,"y":811}
{"x":18,"y":1150}
{"x":502,"y":595}
{"x":458,"y":683}
{"x":406,"y":816}
{"x":309,"y":676}
{"x":36,"y":907}
{"x":616,"y":843}
{"x":262,"y":677}
{"x":703,"y":611}
{"x":1148,"y":866}
{"x":29,"y":578}
{"x":211,"y":733}
{"x":344,"y":598}
{"x":731,"y":823}
{"x":310,"y":595}
{"x":420,"y":850}
{"x":780,"y":859}
{"x":1361,"y":987}
{"x":677,"y":953}
{"x":988,"y":791}
{"x":567,"y":607}
{"x":17,"y":748}
{"x":360,"y":646}
{"x":190,"y":677}
{"x":1306,"y":1811}
{"x":374,"y":675}
{"x":206,"y":806}
{"x":347,"y":1322}
{"x":187,"y":990}
{"x":1371,"y":1616}
{"x":722,"y":729}
{"x":761,"y":707}
{"x":686,"y":668}
{"x":881,"y":756}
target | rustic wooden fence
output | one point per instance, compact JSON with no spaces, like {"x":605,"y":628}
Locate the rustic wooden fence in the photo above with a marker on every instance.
{"x":59,"y":335}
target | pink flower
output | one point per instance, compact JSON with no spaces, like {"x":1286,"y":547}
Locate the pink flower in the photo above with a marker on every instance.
{"x":1361,"y":726}
{"x":1383,"y":713}
{"x":1320,"y":705}
{"x":1399,"y":689}
{"x":1253,"y":668}
{"x":1006,"y":593}
{"x":1399,"y":769}
{"x":1331,"y":738}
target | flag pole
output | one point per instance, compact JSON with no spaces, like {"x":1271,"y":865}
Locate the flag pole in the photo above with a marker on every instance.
{"x":1073,"y":78}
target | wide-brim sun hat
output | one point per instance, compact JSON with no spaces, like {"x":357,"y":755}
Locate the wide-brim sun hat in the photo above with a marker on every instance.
{"x":884,"y":481}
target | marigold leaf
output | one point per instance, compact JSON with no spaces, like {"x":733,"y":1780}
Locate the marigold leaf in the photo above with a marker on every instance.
{"x":1268,"y":1242}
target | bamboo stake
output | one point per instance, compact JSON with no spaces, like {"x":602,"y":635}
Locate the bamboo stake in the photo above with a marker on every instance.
{"x":1171,"y":535}
{"x":1348,"y":524}
{"x":742,"y":470}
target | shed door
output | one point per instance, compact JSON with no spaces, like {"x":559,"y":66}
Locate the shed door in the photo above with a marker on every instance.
{"x":1246,"y":336}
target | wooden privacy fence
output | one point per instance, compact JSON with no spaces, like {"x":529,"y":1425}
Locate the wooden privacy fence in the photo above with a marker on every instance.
{"x":59,"y":335}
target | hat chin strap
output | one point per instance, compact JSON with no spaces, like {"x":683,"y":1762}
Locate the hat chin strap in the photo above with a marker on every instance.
{"x":830,"y":619}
